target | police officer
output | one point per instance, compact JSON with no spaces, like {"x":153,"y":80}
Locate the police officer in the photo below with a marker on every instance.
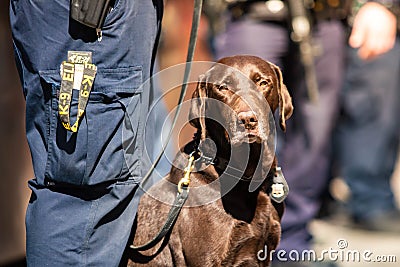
{"x":264,"y":28}
{"x":84,"y":199}
{"x":368,"y":131}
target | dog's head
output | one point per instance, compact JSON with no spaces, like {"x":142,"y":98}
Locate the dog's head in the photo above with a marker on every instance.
{"x":243,"y":85}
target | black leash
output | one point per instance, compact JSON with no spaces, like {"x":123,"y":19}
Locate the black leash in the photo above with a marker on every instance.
{"x":172,"y":216}
{"x":181,"y":196}
{"x":183,"y":188}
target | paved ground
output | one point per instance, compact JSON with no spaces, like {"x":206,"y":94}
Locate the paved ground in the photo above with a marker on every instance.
{"x":337,"y":233}
{"x":350,"y":246}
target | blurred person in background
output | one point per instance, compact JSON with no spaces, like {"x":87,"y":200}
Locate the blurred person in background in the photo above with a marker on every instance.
{"x":368,"y":130}
{"x":306,"y":39}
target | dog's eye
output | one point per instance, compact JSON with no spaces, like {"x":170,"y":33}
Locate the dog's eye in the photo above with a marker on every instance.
{"x":222,"y":87}
{"x":265,"y":82}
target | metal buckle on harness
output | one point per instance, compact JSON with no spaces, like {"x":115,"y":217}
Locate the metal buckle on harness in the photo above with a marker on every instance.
{"x":185,"y":180}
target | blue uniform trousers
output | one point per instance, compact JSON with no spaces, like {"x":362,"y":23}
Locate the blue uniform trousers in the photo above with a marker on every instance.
{"x":305,"y":149}
{"x":84,"y":194}
{"x":368,"y":133}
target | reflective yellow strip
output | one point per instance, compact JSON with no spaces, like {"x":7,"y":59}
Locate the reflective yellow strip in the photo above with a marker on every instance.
{"x":67,"y":84}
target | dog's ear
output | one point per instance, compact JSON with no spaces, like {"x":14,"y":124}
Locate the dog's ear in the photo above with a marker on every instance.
{"x":285,"y":101}
{"x":197,"y":106}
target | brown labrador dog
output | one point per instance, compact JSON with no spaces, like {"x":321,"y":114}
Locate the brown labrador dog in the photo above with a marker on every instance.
{"x":224,"y":223}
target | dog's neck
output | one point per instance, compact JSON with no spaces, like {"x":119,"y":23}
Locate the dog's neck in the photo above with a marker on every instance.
{"x":238,"y":201}
{"x":236,"y":198}
{"x":240,"y":161}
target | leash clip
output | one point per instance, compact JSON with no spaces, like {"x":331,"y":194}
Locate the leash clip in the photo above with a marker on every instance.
{"x":185,"y":180}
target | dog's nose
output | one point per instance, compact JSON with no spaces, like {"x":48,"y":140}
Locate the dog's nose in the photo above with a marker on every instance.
{"x":248,"y":119}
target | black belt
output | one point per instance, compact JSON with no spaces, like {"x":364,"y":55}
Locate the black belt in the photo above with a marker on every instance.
{"x":276,"y":10}
{"x":260,"y":10}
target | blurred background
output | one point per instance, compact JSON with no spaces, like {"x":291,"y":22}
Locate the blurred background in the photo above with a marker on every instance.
{"x":16,"y":170}
{"x":15,"y":163}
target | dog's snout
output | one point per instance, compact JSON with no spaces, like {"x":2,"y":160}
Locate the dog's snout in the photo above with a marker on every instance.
{"x":248,"y":119}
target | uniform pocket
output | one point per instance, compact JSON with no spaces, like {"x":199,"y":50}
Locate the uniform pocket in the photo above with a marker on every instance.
{"x":95,"y":153}
{"x":360,"y":106}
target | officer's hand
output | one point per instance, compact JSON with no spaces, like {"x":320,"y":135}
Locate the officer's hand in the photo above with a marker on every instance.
{"x":374,"y":30}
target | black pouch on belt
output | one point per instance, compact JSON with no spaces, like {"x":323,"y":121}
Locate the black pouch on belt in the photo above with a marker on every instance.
{"x":89,"y":12}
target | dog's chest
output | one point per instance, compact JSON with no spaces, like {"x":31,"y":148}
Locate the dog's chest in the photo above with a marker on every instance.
{"x":226,"y":240}
{"x":247,"y":239}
